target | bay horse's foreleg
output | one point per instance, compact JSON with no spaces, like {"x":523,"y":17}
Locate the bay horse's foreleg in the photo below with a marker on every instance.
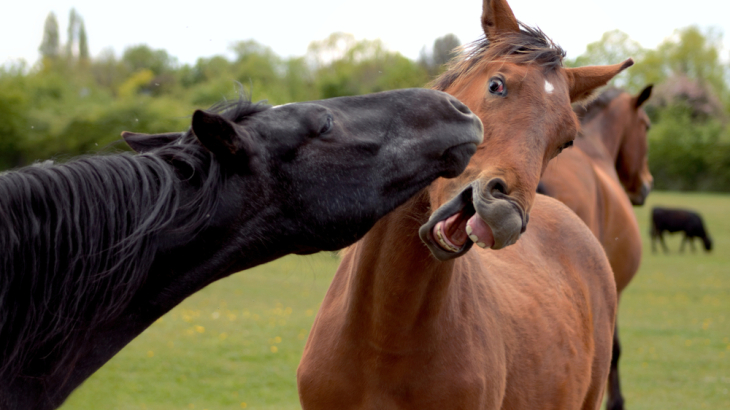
{"x":615,"y":400}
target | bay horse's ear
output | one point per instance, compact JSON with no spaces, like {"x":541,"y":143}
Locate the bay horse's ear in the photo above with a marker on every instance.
{"x":644,"y":95}
{"x":219,"y":136}
{"x":147,"y":142}
{"x":582,"y":81}
{"x":497,"y":19}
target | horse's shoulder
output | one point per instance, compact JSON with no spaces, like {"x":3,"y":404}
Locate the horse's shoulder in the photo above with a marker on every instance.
{"x":561,"y":232}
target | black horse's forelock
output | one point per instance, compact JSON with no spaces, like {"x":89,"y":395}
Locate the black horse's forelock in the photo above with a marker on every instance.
{"x":78,"y":239}
{"x":241,"y":108}
{"x":528,"y":46}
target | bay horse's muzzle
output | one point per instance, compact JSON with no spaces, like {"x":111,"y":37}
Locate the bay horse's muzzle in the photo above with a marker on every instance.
{"x":481,"y":213}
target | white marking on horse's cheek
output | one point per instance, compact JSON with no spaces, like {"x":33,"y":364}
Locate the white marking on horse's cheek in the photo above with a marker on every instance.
{"x":549,"y":87}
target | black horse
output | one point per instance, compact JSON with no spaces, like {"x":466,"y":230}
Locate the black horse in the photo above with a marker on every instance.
{"x":95,"y":250}
{"x":678,"y":220}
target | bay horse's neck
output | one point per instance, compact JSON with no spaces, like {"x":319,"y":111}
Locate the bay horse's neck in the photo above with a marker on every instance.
{"x":395,"y":287}
{"x":602,"y":137}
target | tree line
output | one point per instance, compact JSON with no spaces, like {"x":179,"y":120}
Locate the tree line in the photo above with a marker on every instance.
{"x":70,"y":103}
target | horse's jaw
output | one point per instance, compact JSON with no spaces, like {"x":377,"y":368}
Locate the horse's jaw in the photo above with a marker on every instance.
{"x":473,"y":217}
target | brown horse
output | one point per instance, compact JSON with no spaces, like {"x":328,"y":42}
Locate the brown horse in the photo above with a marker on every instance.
{"x":525,"y":327}
{"x":601,"y":180}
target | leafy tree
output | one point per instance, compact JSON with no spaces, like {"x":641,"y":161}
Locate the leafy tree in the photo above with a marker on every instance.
{"x":613,"y":47}
{"x":143,"y":57}
{"x":14,"y":124}
{"x":83,"y":43}
{"x":73,"y":21}
{"x":50,"y":46}
{"x":344,"y":66}
{"x":444,"y":49}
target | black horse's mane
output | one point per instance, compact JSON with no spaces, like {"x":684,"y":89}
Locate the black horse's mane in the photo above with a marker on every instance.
{"x":77,"y":239}
{"x":529,"y":45}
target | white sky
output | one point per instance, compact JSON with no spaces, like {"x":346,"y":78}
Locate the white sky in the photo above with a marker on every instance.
{"x":188,"y":30}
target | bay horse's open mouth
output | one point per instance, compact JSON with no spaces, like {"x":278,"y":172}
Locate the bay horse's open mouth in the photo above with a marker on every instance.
{"x":487,"y":217}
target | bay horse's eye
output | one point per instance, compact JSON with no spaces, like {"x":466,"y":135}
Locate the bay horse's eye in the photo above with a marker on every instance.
{"x":497,"y":87}
{"x":567,"y":145}
{"x":327,"y":124}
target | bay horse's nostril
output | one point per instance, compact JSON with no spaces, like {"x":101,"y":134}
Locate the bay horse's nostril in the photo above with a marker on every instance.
{"x":496,"y":187}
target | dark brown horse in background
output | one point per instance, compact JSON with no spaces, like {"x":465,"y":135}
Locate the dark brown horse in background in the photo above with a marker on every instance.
{"x":601,"y":180}
{"x":414,"y":319}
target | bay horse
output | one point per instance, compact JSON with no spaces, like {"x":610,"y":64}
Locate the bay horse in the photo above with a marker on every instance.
{"x":601,"y":180}
{"x":93,"y":251}
{"x":417,"y":319}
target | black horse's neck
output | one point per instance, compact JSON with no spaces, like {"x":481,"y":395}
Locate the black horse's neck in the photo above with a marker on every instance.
{"x":182,"y":262}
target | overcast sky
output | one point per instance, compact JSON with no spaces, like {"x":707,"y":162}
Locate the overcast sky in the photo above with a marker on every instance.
{"x":189,"y":30}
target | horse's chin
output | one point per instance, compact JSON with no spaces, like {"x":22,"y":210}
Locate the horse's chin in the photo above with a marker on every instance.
{"x":637,"y":199}
{"x":469,"y":219}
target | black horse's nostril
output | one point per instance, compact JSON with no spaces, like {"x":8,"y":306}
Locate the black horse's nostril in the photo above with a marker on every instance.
{"x":460,"y":106}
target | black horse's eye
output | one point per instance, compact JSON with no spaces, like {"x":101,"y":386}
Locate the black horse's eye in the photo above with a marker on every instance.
{"x":497,"y":87}
{"x":327,"y":125}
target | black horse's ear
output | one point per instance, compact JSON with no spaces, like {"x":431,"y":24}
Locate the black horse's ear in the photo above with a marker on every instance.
{"x":643,"y":96}
{"x":147,"y":142}
{"x":219,"y":136}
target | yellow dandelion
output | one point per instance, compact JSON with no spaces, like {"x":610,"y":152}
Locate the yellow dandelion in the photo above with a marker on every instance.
{"x":277,"y":339}
{"x":150,"y":353}
{"x":199,"y":329}
{"x":243,"y":405}
{"x":274,"y":349}
{"x":170,"y":344}
{"x":223,"y":336}
{"x":309,"y":312}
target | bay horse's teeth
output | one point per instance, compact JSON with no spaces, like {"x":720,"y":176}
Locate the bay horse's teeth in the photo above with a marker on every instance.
{"x":474,"y":238}
{"x":481,"y":244}
{"x":469,"y":231}
{"x":442,"y":242}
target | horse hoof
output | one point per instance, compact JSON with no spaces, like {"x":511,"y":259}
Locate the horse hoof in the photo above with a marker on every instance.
{"x":617,"y":404}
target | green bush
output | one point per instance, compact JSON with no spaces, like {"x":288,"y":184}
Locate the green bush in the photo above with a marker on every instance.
{"x":688,"y":154}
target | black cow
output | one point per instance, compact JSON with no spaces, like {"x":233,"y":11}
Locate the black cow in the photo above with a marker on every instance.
{"x":678,"y":220}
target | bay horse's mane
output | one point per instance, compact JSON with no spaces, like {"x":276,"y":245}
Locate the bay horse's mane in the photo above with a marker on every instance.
{"x":77,"y":239}
{"x":586,"y":112}
{"x":530,"y":45}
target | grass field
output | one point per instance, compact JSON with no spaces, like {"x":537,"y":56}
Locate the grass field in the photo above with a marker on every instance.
{"x":236,"y":344}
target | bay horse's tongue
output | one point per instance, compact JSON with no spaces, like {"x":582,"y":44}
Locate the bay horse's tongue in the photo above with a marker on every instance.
{"x":452,"y":233}
{"x":479,"y":232}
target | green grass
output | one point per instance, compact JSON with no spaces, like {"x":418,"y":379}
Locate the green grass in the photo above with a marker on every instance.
{"x":215,"y":351}
{"x":674,"y":318}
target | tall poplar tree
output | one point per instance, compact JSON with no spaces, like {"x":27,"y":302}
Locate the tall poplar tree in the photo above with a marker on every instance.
{"x":50,"y":46}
